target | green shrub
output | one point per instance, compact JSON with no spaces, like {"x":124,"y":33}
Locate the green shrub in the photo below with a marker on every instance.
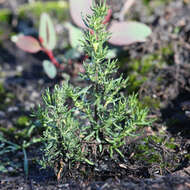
{"x":84,"y":124}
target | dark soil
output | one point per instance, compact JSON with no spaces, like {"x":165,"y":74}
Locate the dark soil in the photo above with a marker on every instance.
{"x":22,"y":76}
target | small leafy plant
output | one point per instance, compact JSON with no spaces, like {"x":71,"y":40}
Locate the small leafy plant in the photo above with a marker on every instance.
{"x":45,"y":43}
{"x":82,"y":125}
{"x":9,"y":148}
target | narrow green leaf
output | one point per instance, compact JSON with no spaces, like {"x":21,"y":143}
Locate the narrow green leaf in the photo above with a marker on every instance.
{"x":25,"y":162}
{"x":47,"y":32}
{"x":100,"y":147}
{"x":119,"y":152}
{"x":89,"y":162}
{"x":89,"y":136}
{"x":78,"y":7}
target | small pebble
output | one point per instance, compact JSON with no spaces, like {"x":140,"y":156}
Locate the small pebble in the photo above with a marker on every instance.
{"x":2,"y":115}
{"x":12,"y":109}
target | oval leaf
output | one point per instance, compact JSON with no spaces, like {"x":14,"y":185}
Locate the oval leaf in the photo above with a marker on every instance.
{"x":27,"y":43}
{"x":126,"y":33}
{"x":47,"y":32}
{"x":79,"y":8}
{"x":49,"y":69}
{"x":75,"y":35}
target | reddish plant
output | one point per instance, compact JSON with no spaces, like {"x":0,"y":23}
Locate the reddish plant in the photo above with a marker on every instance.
{"x":46,"y":42}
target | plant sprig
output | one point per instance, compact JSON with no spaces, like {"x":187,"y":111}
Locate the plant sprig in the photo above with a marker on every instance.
{"x":81,"y":124}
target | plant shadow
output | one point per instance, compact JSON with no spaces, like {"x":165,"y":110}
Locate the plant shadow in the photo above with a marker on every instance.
{"x":175,"y":118}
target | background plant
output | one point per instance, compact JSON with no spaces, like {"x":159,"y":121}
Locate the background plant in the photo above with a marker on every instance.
{"x":15,"y":138}
{"x":9,"y":148}
{"x":46,"y":43}
{"x":84,"y":124}
{"x":123,"y":33}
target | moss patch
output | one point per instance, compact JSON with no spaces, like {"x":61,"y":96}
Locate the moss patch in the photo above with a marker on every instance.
{"x":23,"y":121}
{"x":5,"y":15}
{"x":20,"y":126}
{"x":5,"y":18}
{"x":6,"y":98}
{"x":138,"y":70}
{"x":158,"y":150}
{"x":150,"y":102}
{"x":156,"y":2}
{"x":60,"y":10}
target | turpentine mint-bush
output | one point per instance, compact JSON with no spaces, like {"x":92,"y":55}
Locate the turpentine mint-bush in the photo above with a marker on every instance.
{"x":84,"y":124}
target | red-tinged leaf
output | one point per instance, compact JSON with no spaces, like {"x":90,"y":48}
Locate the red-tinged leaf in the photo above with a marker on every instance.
{"x":79,"y":8}
{"x":126,"y":33}
{"x":28,"y":44}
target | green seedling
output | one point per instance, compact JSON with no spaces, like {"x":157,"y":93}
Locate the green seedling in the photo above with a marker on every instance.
{"x":8,"y":147}
{"x":83,"y":125}
{"x":46,"y":43}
